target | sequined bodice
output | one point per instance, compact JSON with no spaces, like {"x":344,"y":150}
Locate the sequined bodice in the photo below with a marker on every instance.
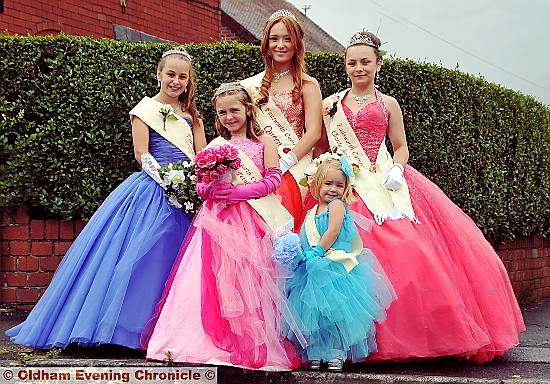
{"x":164,"y":151}
{"x":370,"y":125}
{"x":254,"y":149}
{"x":293,"y":112}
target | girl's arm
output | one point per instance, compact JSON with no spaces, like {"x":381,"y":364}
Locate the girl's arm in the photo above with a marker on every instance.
{"x":396,"y":131}
{"x":140,"y":137}
{"x":322,"y":144}
{"x":311,"y":96}
{"x":337,"y":211}
{"x":199,"y":138}
{"x":271,"y":157}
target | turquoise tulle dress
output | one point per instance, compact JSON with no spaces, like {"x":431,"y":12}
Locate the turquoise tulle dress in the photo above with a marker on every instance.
{"x":108,"y":283}
{"x":338,"y":309}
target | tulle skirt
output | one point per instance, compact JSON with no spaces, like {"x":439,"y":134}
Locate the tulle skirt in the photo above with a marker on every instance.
{"x":338,"y":309}
{"x":110,"y":280}
{"x":225,"y":304}
{"x":454,"y":294}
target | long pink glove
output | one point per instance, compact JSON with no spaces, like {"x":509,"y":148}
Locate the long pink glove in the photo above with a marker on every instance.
{"x":260,"y":188}
{"x":215,"y":190}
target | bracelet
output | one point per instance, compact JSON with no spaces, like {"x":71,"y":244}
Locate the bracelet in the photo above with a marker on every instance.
{"x":400,"y":166}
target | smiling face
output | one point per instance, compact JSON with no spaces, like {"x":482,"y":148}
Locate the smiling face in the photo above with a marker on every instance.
{"x":173,"y":76}
{"x":281,"y":46}
{"x":333,"y":186}
{"x":362,"y":64}
{"x":232,"y":113}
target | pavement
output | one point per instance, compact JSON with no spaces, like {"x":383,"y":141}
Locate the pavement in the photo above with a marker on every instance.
{"x":529,"y":363}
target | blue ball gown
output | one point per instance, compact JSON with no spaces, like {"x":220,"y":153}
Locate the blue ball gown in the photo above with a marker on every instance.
{"x":107,"y":285}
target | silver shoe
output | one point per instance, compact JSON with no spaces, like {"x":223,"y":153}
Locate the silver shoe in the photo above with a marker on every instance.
{"x":314,"y":364}
{"x":335,"y":365}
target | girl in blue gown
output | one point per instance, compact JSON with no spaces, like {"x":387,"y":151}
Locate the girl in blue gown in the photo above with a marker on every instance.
{"x":338,"y":289}
{"x":111,"y":278}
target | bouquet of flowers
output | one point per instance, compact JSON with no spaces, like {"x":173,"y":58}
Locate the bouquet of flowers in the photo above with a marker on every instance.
{"x":286,"y":249}
{"x":213,"y":162}
{"x":179,"y":182}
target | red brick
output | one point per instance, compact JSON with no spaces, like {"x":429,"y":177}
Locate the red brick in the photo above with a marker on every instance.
{"x":61,"y":247}
{"x":24,"y":307}
{"x":37,"y":229}
{"x":51,"y":229}
{"x":4,"y":247}
{"x":22,"y":215}
{"x":49,"y":263}
{"x":15,"y":232}
{"x":78,"y":226}
{"x":7,"y":295}
{"x":28,"y":264}
{"x":39,"y":279}
{"x":28,"y":295}
{"x":16,"y":279}
{"x":66,"y":230}
{"x":42,"y":248}
{"x":8,"y":263}
{"x":20,"y":247}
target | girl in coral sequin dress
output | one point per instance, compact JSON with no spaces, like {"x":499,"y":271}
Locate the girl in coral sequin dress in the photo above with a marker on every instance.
{"x":224,"y":303}
{"x":454,"y":295}
{"x":290,"y":104}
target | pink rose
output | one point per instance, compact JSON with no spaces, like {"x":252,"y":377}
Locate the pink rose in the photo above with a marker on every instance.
{"x":205,"y":159}
{"x":233,"y":153}
{"x":221,"y":153}
{"x":222,"y":169}
{"x":214,"y":175}
{"x":205,"y":179}
{"x":235,"y":164}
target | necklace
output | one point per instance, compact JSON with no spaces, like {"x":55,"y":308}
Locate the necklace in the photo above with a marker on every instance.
{"x":360,"y":99}
{"x":280,"y":75}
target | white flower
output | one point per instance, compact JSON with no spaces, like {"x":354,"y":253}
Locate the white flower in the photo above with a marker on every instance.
{"x":188,"y":206}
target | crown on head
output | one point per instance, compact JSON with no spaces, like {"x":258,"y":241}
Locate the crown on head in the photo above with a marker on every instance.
{"x":177,"y":51}
{"x":281,"y":13}
{"x":362,"y":38}
{"x":226,"y":87}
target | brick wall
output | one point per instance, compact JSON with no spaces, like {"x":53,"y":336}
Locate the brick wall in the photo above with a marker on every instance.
{"x":32,"y":249}
{"x":174,"y":20}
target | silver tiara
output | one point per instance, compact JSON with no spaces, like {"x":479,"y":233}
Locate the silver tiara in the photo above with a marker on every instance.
{"x":360,"y":38}
{"x":226,"y":87}
{"x":281,"y":13}
{"x":177,"y":51}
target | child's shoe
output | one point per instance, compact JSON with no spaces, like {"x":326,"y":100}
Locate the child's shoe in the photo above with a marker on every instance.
{"x":314,"y":364}
{"x":335,"y":365}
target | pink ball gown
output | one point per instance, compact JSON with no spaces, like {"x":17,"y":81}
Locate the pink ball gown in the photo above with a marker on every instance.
{"x":454,"y":295}
{"x":224,"y":303}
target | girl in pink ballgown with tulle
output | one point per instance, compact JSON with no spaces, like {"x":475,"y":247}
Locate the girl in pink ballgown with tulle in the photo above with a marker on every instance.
{"x":224,"y":303}
{"x":455,"y":296}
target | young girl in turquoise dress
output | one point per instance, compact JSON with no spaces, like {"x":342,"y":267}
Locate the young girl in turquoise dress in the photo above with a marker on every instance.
{"x":109,"y":281}
{"x":338,"y":289}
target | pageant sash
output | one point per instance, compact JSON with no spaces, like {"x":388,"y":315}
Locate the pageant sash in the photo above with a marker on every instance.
{"x":176,"y":130}
{"x":275,"y":124}
{"x":347,"y":259}
{"x":269,"y":207}
{"x":383,"y":203}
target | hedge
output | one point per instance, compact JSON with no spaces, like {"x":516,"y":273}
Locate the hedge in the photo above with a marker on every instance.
{"x":65,"y":136}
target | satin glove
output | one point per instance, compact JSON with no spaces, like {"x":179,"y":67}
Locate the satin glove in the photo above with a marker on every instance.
{"x":287,"y":161}
{"x":317,"y":251}
{"x":268,"y":184}
{"x":394,"y":178}
{"x":214,"y":190}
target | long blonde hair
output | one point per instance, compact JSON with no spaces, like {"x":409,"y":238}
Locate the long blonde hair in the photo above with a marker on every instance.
{"x":321,"y":174}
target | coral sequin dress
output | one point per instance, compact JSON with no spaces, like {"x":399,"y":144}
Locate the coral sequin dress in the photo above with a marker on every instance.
{"x":454,"y":295}
{"x":289,"y":191}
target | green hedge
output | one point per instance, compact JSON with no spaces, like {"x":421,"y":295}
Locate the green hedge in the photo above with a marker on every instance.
{"x":65,"y":136}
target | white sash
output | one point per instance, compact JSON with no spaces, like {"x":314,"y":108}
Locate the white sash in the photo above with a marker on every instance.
{"x":275,"y":124}
{"x":176,"y":130}
{"x":347,"y":259}
{"x":383,"y":203}
{"x":269,"y":207}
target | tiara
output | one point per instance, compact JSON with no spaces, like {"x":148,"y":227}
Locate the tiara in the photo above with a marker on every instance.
{"x":227,"y":87}
{"x":360,"y":38}
{"x":282,"y":13}
{"x":177,"y":51}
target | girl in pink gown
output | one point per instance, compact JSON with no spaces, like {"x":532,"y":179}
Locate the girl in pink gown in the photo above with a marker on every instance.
{"x":224,"y":303}
{"x":455,"y":296}
{"x":289,"y":104}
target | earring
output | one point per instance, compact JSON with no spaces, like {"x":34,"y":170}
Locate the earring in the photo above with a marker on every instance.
{"x":158,"y":81}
